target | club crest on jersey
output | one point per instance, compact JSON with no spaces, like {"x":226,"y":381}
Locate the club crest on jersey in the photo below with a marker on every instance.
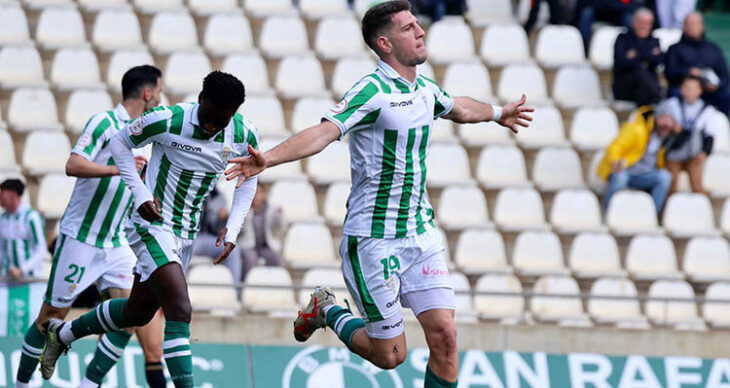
{"x":84,"y":140}
{"x":136,"y":127}
{"x":226,"y":153}
{"x":340,"y":107}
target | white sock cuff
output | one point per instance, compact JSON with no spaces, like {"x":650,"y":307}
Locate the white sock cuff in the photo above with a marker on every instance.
{"x":66,"y":334}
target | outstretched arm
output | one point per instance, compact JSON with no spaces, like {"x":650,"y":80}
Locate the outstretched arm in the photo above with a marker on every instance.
{"x":81,"y":167}
{"x":469,"y":110}
{"x":242,"y":198}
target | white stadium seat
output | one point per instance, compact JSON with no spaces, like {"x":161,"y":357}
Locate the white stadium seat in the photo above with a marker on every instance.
{"x":564,"y":310}
{"x":463,"y":298}
{"x":281,"y":36}
{"x":280,"y":296}
{"x":46,"y":152}
{"x":447,"y":164}
{"x":218,"y":297}
{"x":347,"y":72}
{"x":443,"y":132}
{"x":339,"y":37}
{"x":462,"y":207}
{"x":707,"y":259}
{"x":482,"y":134}
{"x":262,"y":8}
{"x":54,"y":192}
{"x":481,"y":251}
{"x":714,"y":174}
{"x":321,"y":277}
{"x":212,"y":7}
{"x":652,"y":257}
{"x":284,"y":171}
{"x":616,"y":311}
{"x":296,"y":199}
{"x":308,"y":111}
{"x":266,"y":113}
{"x":82,"y":104}
{"x":74,"y":69}
{"x":577,"y":86}
{"x":228,"y":33}
{"x":546,"y":129}
{"x":185,"y":71}
{"x":171,"y":31}
{"x":518,"y":79}
{"x":361,"y":6}
{"x":689,"y":214}
{"x":681,"y":314}
{"x":508,"y":308}
{"x":20,"y":66}
{"x":594,"y":255}
{"x":504,"y":44}
{"x":717,"y":314}
{"x":7,"y":157}
{"x":60,"y":27}
{"x":538,"y":253}
{"x":482,"y":13}
{"x":316,"y":9}
{"x":576,"y":211}
{"x":335,"y":203}
{"x":13,"y":25}
{"x":116,"y":29}
{"x":123,"y":60}
{"x":309,"y":245}
{"x":299,"y":76}
{"x":42,"y":4}
{"x":722,"y":134}
{"x":601,"y":47}
{"x":557,"y":168}
{"x":157,"y":6}
{"x":632,"y":212}
{"x":468,"y":79}
{"x":101,"y":5}
{"x":559,"y":45}
{"x":501,"y":166}
{"x":449,"y":40}
{"x":331,"y":165}
{"x":667,"y":37}
{"x":519,"y":209}
{"x":33,"y":109}
{"x":593,"y":128}
{"x":251,"y":70}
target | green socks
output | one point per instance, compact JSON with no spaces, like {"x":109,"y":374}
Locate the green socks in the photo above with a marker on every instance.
{"x":433,"y":381}
{"x":106,"y":317}
{"x":108,"y":351}
{"x":31,"y":351}
{"x":176,"y":350}
{"x":344,"y":323}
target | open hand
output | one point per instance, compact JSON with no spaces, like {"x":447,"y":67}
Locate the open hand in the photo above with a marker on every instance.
{"x":227,"y":249}
{"x":246,"y":166}
{"x":150,"y":211}
{"x":516,"y":113}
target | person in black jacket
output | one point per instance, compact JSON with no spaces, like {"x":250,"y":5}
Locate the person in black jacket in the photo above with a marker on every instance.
{"x":695,"y":55}
{"x":636,"y":55}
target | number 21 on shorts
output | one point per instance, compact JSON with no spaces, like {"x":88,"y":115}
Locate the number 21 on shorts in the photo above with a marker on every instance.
{"x":75,"y":269}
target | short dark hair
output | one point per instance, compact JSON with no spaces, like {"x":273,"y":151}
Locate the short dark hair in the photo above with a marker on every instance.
{"x":379,"y":18}
{"x":223,"y":90}
{"x":137,"y":78}
{"x":14,"y":185}
{"x":691,"y":77}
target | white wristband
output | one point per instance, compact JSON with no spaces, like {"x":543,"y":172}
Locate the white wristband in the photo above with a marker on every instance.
{"x":497,"y":112}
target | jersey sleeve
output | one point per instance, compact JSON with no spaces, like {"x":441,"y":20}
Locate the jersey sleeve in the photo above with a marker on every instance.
{"x":150,"y":127}
{"x":443,"y":102}
{"x":356,"y":109}
{"x":244,"y":133}
{"x":93,"y":136}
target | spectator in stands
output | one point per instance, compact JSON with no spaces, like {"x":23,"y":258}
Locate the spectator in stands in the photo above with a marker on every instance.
{"x":691,"y":147}
{"x":636,"y":55}
{"x":695,"y":55}
{"x":671,"y":13}
{"x":616,"y":12}
{"x":261,"y":233}
{"x":212,"y":227}
{"x":635,"y":159}
{"x":437,"y":9}
{"x":558,"y":13}
{"x":22,"y":233}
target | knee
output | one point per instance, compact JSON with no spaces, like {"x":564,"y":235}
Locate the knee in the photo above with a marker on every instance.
{"x":665,"y":179}
{"x":152,"y":352}
{"x":391,"y":360}
{"x":443,"y":338}
{"x":178,"y":310}
{"x":619,"y":180}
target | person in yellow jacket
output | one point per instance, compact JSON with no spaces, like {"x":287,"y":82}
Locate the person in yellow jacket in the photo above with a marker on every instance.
{"x":635,"y":158}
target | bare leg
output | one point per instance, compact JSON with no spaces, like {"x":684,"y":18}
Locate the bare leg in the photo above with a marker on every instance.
{"x":440,"y":330}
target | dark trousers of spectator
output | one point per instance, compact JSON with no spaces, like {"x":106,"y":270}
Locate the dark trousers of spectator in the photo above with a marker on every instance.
{"x":587,"y":15}
{"x":436,"y":9}
{"x":656,"y":183}
{"x":720,"y":99}
{"x":641,"y":86}
{"x":557,"y":13}
{"x":251,"y":258}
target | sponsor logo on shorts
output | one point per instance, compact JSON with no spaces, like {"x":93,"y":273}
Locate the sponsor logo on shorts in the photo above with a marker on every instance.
{"x":393,"y":326}
{"x":185,"y":147}
{"x":392,"y":302}
{"x":426,"y":270}
{"x":401,"y":104}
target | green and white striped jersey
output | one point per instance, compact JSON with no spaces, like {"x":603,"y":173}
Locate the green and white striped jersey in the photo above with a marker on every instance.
{"x":390,"y":121}
{"x":99,"y":205}
{"x":22,"y":241}
{"x":185,"y":165}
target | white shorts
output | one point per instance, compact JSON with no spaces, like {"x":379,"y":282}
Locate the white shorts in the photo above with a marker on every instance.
{"x":156,"y":246}
{"x":78,"y":265}
{"x":383,"y":274}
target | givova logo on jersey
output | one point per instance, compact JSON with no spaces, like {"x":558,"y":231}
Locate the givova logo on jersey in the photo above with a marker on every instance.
{"x":318,"y":367}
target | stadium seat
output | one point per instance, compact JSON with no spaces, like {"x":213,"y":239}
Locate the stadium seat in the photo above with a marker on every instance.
{"x":158,"y":6}
{"x":218,"y":297}
{"x":102,"y":5}
{"x":563,"y":310}
{"x":538,"y":253}
{"x":308,"y":111}
{"x":347,"y":72}
{"x":335,"y":203}
{"x":13,"y":25}
{"x":82,"y":104}
{"x":54,"y":192}
{"x":33,"y":109}
{"x":339,"y":37}
{"x":519,"y":209}
{"x":123,"y":60}
{"x":689,"y":214}
{"x":545,"y":130}
{"x":46,"y":152}
{"x":449,"y":40}
{"x":60,"y":27}
{"x":7,"y":157}
{"x":296,"y":199}
{"x":717,"y":314}
{"x":361,"y":6}
{"x":501,"y":166}
{"x":652,"y":257}
{"x":722,"y":134}
{"x":42,"y":4}
{"x":116,"y":29}
{"x":263,"y":8}
{"x":20,"y":66}
{"x":280,"y":296}
{"x":212,"y":7}
{"x":227,"y":33}
{"x":462,"y":207}
{"x":593,"y":128}
{"x":309,"y":245}
{"x":285,"y":171}
{"x":331,"y":165}
{"x":632,"y":212}
{"x":508,"y":308}
{"x":281,"y":36}
{"x":447,"y":164}
{"x":559,"y":45}
{"x":482,"y":13}
{"x":518,"y":79}
{"x":425,"y":69}
{"x":468,"y":79}
{"x":3,"y":124}
{"x":622,"y":312}
{"x":481,"y":251}
{"x":266,"y":113}
{"x":75,"y":69}
{"x":251,"y":70}
{"x":595,"y":182}
{"x":667,"y":37}
{"x":463,"y":299}
{"x":707,"y":259}
{"x":557,"y":168}
{"x":299,"y":76}
{"x":680,"y":314}
{"x":577,"y":86}
{"x":443,"y":132}
{"x":594,"y":255}
{"x":172,"y":31}
{"x":715,"y":173}
{"x":504,"y":44}
{"x":575,"y":211}
{"x":185,"y":71}
{"x":482,"y":134}
{"x":321,"y":277}
{"x":317,"y":9}
{"x":601,"y":47}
